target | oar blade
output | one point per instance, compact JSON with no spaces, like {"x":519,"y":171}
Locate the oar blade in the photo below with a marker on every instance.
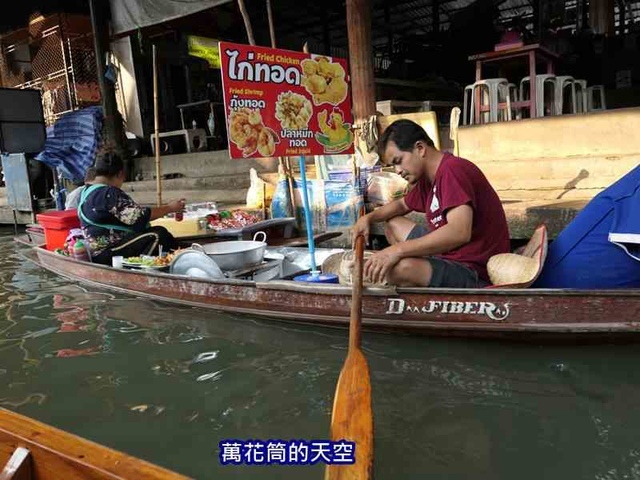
{"x":352,"y":418}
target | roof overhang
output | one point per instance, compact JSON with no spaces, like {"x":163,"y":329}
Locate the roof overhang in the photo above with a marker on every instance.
{"x":130,"y":15}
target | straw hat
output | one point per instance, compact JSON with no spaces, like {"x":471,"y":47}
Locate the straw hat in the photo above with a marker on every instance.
{"x":342,"y":264}
{"x":332,"y":263}
{"x":520,"y":270}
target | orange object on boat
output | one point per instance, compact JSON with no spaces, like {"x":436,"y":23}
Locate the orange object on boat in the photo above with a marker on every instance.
{"x":57,"y":224}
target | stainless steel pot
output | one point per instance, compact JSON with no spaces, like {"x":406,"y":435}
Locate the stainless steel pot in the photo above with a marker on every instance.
{"x":236,"y":254}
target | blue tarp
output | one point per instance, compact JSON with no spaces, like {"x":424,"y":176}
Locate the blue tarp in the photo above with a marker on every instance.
{"x":72,"y":142}
{"x":600,"y":248}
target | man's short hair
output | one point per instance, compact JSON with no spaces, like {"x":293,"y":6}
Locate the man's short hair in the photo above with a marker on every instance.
{"x":405,"y":134}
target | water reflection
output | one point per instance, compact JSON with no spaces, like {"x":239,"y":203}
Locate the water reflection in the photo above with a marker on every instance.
{"x":167,"y":384}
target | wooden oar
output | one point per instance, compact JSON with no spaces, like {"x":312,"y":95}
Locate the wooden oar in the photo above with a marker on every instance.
{"x":352,"y":417}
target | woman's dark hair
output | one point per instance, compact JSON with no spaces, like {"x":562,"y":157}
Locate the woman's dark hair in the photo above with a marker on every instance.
{"x":109,"y":165}
{"x":90,"y":174}
{"x":405,"y":134}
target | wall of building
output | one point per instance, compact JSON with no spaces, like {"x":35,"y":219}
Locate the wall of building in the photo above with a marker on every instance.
{"x":552,"y":158}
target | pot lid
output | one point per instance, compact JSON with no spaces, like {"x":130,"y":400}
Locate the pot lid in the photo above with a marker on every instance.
{"x":196,"y":264}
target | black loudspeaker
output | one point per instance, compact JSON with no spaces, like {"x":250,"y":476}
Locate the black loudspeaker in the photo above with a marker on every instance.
{"x":22,"y":128}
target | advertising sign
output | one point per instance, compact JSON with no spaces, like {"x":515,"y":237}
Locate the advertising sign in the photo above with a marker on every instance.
{"x":205,"y":48}
{"x":280,"y":103}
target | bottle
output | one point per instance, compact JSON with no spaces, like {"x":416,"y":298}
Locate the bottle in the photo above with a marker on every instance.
{"x":211,"y":123}
{"x":80,"y":251}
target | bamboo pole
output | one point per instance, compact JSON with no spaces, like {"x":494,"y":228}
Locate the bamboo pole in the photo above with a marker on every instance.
{"x":247,"y":22}
{"x":272,"y":29}
{"x":156,"y":121}
{"x":284,"y":163}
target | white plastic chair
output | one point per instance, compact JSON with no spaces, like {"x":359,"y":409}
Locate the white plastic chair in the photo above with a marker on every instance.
{"x":581,"y":95}
{"x":512,"y":96}
{"x":563,"y":82}
{"x":544,"y":96}
{"x":467,"y":118}
{"x":591,"y":103}
{"x":491,"y":89}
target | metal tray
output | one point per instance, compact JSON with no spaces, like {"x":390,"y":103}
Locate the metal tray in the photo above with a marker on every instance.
{"x":261,"y":225}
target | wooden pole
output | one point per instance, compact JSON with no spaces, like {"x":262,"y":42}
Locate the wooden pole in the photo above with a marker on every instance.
{"x":156,"y":120}
{"x":601,"y":17}
{"x":283,"y":163}
{"x":454,"y":122}
{"x":247,"y":22}
{"x":272,"y":29}
{"x":361,"y":59}
{"x":286,"y":163}
{"x":114,"y":137}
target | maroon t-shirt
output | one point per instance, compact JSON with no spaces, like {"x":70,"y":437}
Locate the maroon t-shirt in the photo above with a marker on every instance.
{"x":459,"y":182}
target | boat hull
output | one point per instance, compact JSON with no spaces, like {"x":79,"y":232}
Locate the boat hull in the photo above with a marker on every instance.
{"x":513,"y":313}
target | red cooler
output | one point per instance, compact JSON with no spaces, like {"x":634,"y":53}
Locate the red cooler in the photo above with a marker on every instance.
{"x":57,"y":224}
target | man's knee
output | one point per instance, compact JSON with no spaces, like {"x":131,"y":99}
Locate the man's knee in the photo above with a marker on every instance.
{"x":411,"y":272}
{"x":393,"y":230}
{"x":389,"y":232}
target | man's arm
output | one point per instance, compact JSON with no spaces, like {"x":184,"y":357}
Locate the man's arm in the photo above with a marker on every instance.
{"x":454,"y":234}
{"x":390,"y":210}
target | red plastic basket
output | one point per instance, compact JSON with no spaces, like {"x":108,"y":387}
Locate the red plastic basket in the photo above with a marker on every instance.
{"x":56,"y":224}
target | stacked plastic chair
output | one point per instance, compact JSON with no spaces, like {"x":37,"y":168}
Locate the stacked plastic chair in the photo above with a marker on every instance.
{"x":581,"y":95}
{"x":512,"y":98}
{"x":555,"y":95}
{"x":490,"y":91}
{"x":596,"y":103}
{"x":545,"y":93}
{"x":562,"y":83}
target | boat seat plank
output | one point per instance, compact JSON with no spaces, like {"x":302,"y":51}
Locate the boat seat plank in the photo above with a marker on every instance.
{"x":18,"y":467}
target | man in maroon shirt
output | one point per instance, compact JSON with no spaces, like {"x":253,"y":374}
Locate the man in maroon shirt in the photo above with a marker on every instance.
{"x":466,"y":223}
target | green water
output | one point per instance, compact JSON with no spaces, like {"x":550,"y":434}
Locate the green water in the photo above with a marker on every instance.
{"x":167,"y":384}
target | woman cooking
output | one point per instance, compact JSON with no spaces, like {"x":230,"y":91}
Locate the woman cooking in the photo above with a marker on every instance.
{"x":113,"y":223}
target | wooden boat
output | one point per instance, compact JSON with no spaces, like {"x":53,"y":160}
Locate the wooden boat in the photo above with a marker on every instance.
{"x":36,"y":451}
{"x":527,"y":314}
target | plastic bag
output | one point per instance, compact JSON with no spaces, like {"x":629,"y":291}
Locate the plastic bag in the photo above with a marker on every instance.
{"x":343,"y":203}
{"x":383,"y":187}
{"x":317,"y":205}
{"x":281,"y":202}
{"x":259,"y":191}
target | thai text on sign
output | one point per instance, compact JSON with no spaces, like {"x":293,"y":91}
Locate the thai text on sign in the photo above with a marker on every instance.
{"x":284,"y":103}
